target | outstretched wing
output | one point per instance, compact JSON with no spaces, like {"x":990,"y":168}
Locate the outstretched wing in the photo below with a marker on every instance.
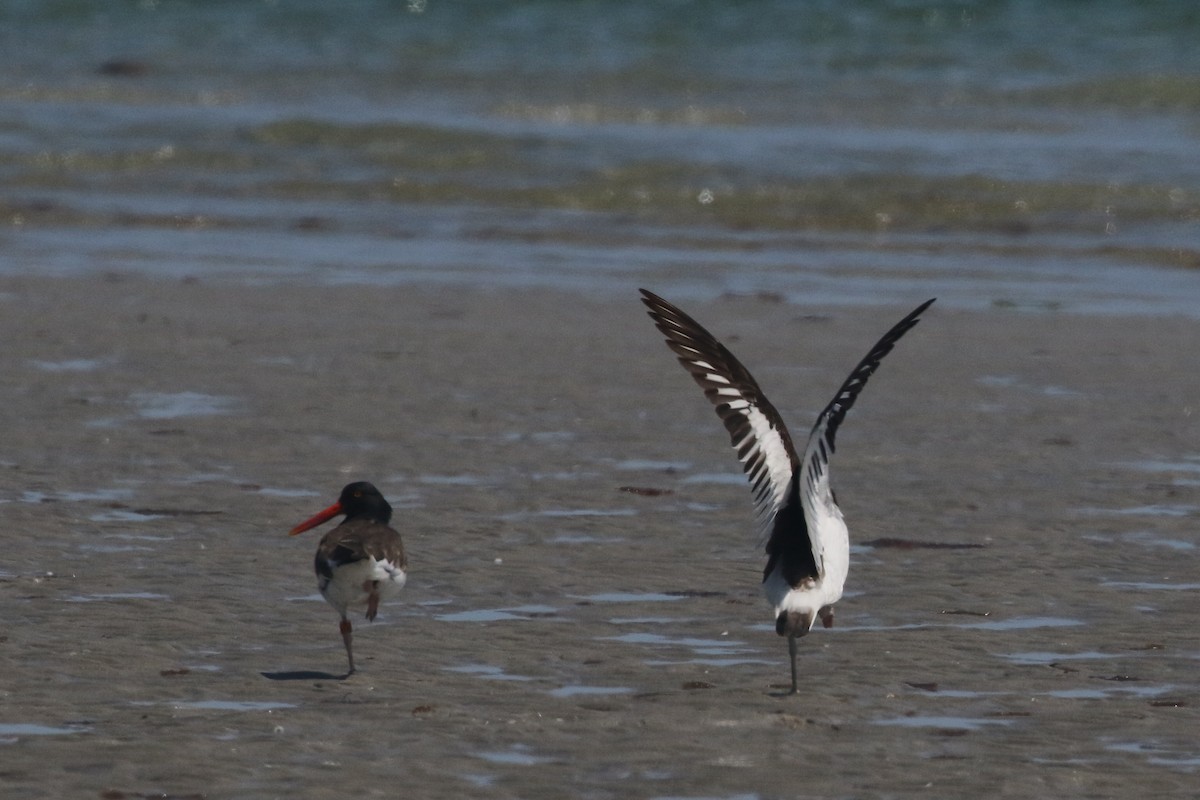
{"x":755,"y":428}
{"x":815,"y":493}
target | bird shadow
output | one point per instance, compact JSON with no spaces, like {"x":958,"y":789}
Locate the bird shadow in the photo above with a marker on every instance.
{"x":304,"y":675}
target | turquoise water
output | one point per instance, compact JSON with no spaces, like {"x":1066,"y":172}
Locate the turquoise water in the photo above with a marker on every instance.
{"x":1025,"y":154}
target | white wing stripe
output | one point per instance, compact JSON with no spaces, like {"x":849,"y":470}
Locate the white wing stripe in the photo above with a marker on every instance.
{"x":814,"y":477}
{"x":776,"y":466}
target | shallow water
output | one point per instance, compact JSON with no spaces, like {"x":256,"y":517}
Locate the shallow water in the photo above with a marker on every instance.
{"x":488,"y":672}
{"x":111,"y":596}
{"x":19,"y":729}
{"x":630,"y":597}
{"x":232,"y":705}
{"x":964,"y":723}
{"x":172,"y":405}
{"x":1165,"y":755}
{"x":579,"y":691}
{"x":1051,"y":658}
{"x":820,"y":155}
{"x":519,"y":755}
{"x":529,"y":612}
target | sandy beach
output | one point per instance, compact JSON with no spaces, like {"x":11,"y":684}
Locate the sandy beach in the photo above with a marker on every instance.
{"x":560,"y":635}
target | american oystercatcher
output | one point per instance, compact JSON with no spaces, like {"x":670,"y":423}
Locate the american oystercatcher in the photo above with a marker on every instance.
{"x":808,"y":547}
{"x":361,"y":561}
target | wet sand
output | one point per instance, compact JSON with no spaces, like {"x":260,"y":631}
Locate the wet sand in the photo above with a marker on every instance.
{"x":560,"y":636}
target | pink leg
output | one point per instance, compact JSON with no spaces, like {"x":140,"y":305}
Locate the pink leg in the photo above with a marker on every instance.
{"x":346,"y":629}
{"x":372,"y":590}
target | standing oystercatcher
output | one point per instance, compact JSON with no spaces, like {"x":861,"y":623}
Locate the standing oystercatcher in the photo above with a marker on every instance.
{"x":361,"y":561}
{"x":808,"y":548}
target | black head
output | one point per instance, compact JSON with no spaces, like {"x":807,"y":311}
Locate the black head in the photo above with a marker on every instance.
{"x":361,"y":500}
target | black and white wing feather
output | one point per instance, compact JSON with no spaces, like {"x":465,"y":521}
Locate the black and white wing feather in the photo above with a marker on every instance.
{"x":755,"y":428}
{"x":792,"y":496}
{"x":815,"y":493}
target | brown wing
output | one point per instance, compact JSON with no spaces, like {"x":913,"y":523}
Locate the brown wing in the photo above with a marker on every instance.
{"x":357,"y":539}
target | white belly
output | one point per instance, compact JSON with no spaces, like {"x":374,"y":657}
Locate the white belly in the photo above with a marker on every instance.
{"x":353,"y":583}
{"x":806,"y":599}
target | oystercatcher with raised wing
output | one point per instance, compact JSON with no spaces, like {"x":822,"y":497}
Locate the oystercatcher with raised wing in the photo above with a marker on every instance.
{"x":361,"y":561}
{"x":807,"y":544}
